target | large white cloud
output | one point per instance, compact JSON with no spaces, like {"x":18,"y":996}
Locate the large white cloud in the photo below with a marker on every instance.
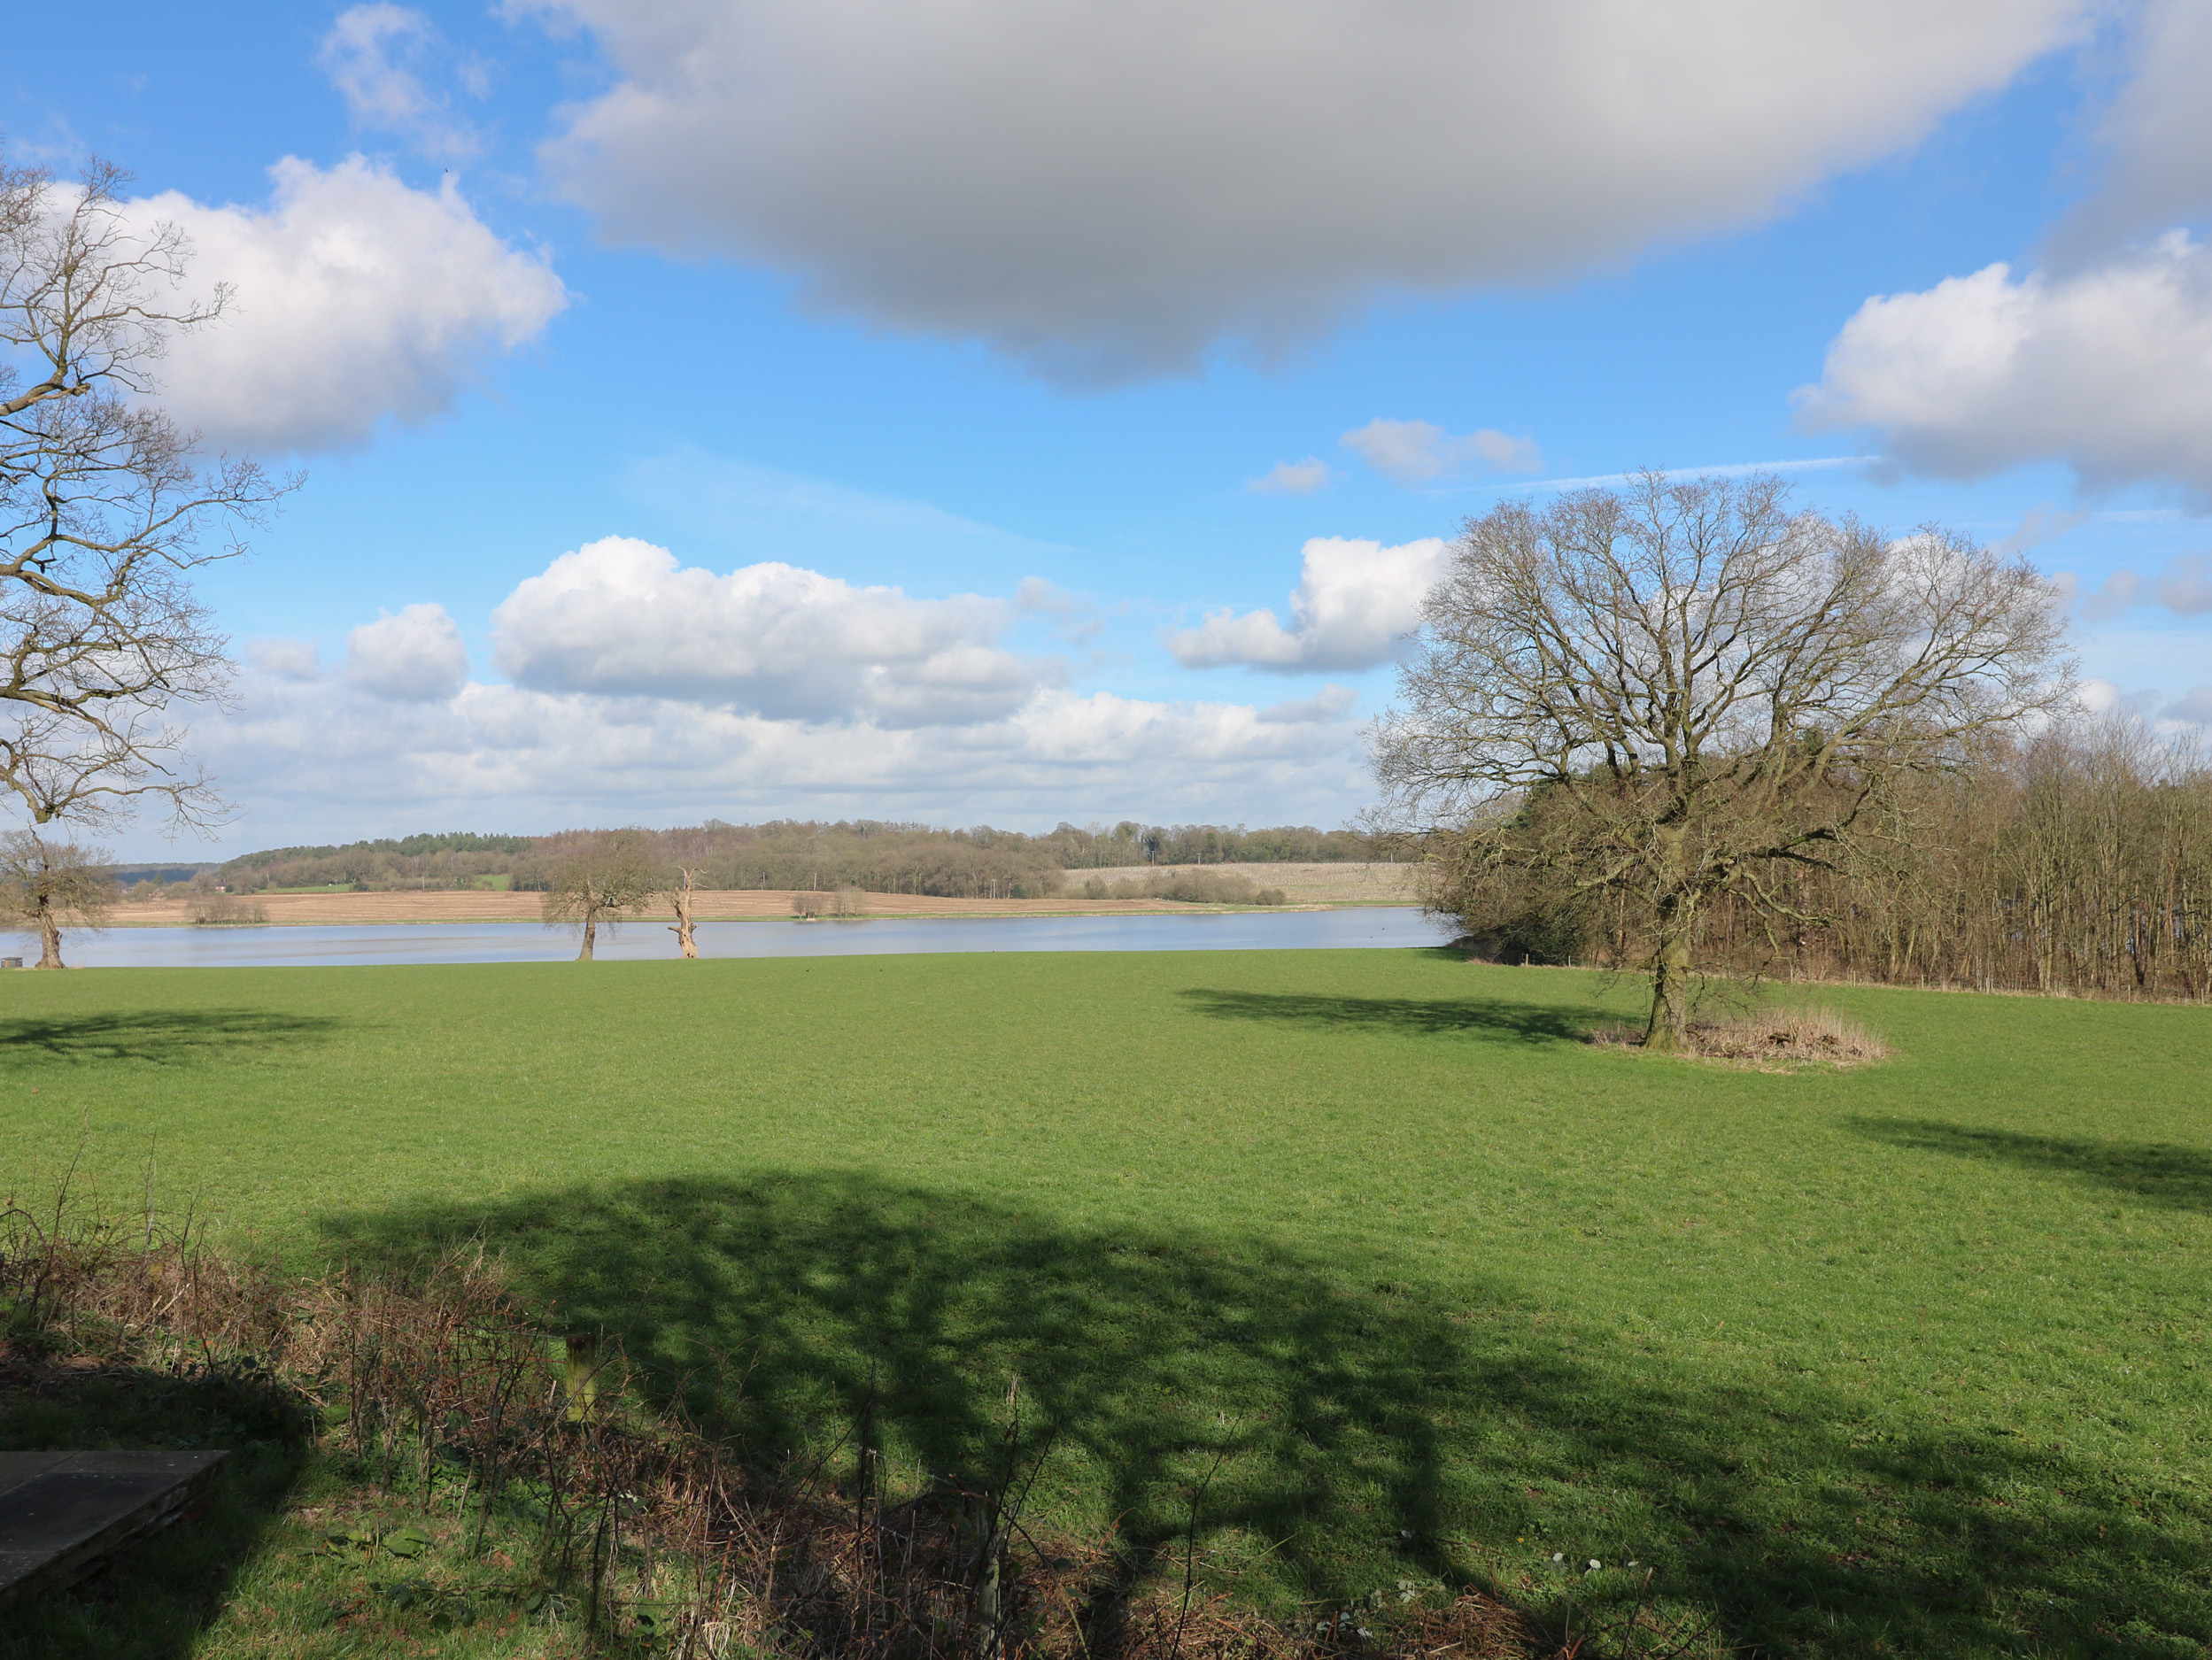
{"x":1106,"y":190}
{"x":2108,"y":369}
{"x":1354,"y":601}
{"x":414,"y":657}
{"x":619,"y":616}
{"x":322,"y":759}
{"x":358,"y":297}
{"x":670,"y":695}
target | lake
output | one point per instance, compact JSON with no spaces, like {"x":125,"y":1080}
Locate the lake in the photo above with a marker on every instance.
{"x":278,"y":946}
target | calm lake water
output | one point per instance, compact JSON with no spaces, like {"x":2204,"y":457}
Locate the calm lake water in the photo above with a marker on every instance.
{"x":526,"y":942}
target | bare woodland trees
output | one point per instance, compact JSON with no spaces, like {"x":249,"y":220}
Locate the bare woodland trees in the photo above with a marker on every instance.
{"x":45,"y":882}
{"x":603,"y":877}
{"x":2078,"y":861}
{"x":1678,"y":692}
{"x":102,"y":511}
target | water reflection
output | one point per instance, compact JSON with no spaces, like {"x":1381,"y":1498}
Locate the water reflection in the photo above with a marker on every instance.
{"x":525,"y":942}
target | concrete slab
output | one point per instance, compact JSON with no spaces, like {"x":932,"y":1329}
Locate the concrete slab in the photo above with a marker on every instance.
{"x":60,"y":1512}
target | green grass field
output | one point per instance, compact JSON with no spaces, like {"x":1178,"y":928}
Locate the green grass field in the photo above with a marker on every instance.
{"x":1909,"y":1359}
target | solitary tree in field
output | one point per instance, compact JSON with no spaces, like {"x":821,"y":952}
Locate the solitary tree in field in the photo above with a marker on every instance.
{"x":681,"y":897}
{"x":103,"y":510}
{"x":599,"y":880}
{"x":1667,"y":691}
{"x":45,"y":883}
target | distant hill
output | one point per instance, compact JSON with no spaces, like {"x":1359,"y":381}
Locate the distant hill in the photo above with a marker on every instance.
{"x":130,"y":876}
{"x":405,"y":846}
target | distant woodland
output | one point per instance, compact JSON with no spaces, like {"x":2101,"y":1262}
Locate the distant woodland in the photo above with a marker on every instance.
{"x":875,"y":856}
{"x":2080,"y":863}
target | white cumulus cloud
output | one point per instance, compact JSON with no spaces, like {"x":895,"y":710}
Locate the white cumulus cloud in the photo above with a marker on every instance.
{"x":321,"y":761}
{"x":1354,"y":601}
{"x":1419,"y":451}
{"x":2108,"y":369}
{"x":414,"y":657}
{"x":357,"y":298}
{"x":1108,"y":191}
{"x":620,"y":616}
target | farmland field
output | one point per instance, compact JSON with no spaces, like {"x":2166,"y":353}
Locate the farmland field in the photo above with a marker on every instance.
{"x":1303,"y":884}
{"x":1908,"y":1359}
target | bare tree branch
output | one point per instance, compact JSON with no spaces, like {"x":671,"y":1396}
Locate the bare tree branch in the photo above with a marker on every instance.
{"x":103,"y":510}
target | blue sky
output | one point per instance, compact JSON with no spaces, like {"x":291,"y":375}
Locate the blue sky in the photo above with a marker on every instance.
{"x":749,"y":408}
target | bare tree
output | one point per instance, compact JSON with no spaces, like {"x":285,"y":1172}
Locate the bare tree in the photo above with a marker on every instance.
{"x":103,"y":509}
{"x":45,"y":883}
{"x":681,"y":897}
{"x":602,"y":878}
{"x":1676,"y":690}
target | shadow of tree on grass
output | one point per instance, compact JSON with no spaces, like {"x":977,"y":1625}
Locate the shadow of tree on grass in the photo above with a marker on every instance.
{"x":166,"y":1036}
{"x":1412,"y":1015}
{"x":2179,"y":1178}
{"x":1372,"y":1429}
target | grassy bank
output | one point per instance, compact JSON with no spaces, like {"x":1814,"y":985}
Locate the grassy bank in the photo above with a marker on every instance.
{"x":1903,"y":1359}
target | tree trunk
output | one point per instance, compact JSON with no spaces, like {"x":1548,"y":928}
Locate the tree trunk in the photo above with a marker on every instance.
{"x":49,"y":938}
{"x":683,"y":928}
{"x":591,"y":931}
{"x":1668,"y":1029}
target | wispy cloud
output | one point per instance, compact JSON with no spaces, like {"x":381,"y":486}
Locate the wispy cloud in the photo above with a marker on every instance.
{"x":1293,"y":478}
{"x":1422,"y":452}
{"x":764,"y":510}
{"x":2184,"y":587}
{"x":1724,"y":470}
{"x":374,"y":55}
{"x":2037,"y":526}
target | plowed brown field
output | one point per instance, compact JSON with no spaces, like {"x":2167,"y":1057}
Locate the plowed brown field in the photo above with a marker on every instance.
{"x":1314,"y":884}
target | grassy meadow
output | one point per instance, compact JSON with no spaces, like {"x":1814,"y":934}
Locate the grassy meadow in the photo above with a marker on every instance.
{"x":1909,"y":1359}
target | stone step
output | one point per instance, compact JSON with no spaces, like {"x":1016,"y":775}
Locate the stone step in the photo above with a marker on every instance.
{"x":60,"y":1512}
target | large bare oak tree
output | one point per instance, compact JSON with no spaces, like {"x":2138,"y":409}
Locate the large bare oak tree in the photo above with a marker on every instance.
{"x":104,"y":510}
{"x":1677,"y":689}
{"x":599,"y":880}
{"x":46,"y":881}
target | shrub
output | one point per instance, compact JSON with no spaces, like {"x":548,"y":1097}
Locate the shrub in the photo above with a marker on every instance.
{"x":1209,"y":887}
{"x":220,"y":910}
{"x":1186,"y":887}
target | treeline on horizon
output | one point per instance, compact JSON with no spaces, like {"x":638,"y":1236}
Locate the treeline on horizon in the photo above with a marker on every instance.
{"x":2078,"y":863}
{"x":876,"y":856}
